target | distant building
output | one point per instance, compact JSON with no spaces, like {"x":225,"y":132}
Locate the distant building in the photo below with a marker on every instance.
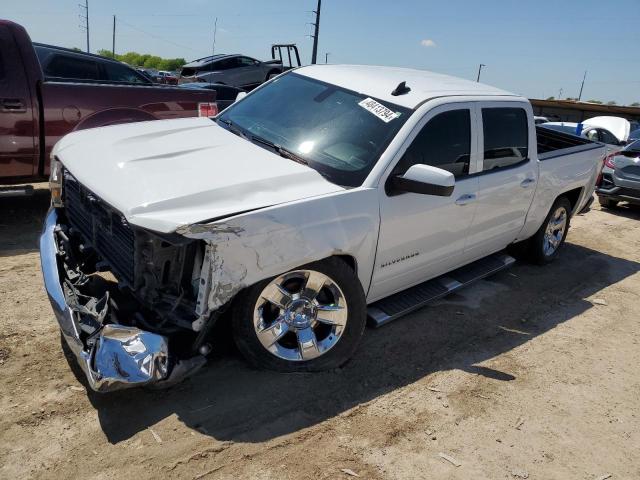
{"x":572,"y":111}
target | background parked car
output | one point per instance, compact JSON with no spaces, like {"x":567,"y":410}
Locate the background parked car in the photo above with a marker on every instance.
{"x":634,"y":135}
{"x":612,"y":131}
{"x":63,"y":63}
{"x":620,"y":178}
{"x":166,"y":78}
{"x":225,"y":94}
{"x":235,"y":70}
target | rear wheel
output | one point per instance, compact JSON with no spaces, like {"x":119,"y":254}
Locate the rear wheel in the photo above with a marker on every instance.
{"x":607,"y":202}
{"x":545,"y":244}
{"x":271,"y":74}
{"x":309,"y":319}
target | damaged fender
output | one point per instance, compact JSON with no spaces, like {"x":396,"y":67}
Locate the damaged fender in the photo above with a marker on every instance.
{"x":257,"y":245}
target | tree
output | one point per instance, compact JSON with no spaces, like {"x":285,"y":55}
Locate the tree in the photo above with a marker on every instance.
{"x":145,"y":60}
{"x":635,"y":104}
{"x":152,"y":62}
{"x":551,"y":98}
{"x":105,"y":53}
{"x":611,"y":102}
{"x":595,"y":101}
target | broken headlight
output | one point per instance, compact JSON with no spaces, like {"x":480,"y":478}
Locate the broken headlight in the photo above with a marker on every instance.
{"x":55,"y":182}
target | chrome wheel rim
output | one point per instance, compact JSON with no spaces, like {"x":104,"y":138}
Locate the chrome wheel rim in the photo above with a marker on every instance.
{"x":300,"y":315}
{"x":555,"y":231}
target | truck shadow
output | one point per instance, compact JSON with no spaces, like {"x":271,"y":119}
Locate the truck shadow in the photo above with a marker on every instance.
{"x":21,"y":222}
{"x":229,"y":401}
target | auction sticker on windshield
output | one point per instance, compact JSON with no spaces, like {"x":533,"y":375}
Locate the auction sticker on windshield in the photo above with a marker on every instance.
{"x":383,"y":113}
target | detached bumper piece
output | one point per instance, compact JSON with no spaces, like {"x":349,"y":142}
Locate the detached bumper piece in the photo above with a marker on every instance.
{"x":112,"y":356}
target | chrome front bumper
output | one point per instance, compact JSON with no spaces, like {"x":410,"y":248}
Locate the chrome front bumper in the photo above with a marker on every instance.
{"x":121,"y":356}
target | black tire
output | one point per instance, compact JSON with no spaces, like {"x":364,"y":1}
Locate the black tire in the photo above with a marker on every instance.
{"x":272,"y":74}
{"x":257,"y":355}
{"x":536,"y":253}
{"x":607,"y":202}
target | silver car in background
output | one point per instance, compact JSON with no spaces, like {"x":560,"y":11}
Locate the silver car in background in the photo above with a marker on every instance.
{"x":620,"y":179}
{"x":235,"y":70}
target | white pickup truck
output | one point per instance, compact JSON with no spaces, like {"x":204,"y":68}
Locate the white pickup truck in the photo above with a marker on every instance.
{"x":327,"y":196}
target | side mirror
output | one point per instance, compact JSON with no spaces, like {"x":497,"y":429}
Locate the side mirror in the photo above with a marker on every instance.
{"x":240,"y":96}
{"x":426,"y":180}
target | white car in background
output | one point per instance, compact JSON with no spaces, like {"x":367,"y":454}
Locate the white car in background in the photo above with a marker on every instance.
{"x":612,"y":131}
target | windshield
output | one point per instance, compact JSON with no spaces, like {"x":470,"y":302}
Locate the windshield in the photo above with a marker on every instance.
{"x":330,"y":128}
{"x":633,"y":146}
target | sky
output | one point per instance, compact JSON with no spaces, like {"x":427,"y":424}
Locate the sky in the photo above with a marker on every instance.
{"x":535,"y":48}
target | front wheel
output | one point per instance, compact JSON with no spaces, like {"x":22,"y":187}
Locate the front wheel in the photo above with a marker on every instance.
{"x":545,"y":244}
{"x":309,"y":319}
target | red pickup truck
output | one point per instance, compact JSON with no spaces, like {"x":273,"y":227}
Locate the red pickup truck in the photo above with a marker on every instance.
{"x":38,"y":105}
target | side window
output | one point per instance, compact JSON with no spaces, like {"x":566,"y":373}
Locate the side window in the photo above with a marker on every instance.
{"x":225,"y":64}
{"x":444,"y":142}
{"x":608,"y":137}
{"x":63,"y":66}
{"x":506,"y":137}
{"x":245,"y":62}
{"x":593,"y":135}
{"x":115,"y":72}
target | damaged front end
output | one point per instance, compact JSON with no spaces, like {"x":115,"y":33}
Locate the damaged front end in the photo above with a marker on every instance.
{"x":123,"y":318}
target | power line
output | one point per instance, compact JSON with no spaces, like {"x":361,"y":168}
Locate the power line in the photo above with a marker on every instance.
{"x":157,"y":37}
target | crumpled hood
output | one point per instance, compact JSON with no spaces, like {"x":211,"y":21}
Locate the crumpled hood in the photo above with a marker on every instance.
{"x":164,"y":174}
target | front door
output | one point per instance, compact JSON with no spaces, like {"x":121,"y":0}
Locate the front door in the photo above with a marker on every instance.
{"x":18,"y":146}
{"x":423,"y":236}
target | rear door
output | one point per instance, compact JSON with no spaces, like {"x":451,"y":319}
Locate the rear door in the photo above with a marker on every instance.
{"x":18,"y":130}
{"x":423,"y":236}
{"x":249,"y":72}
{"x":506,"y":180}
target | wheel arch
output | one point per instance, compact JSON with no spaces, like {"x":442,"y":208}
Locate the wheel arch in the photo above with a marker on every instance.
{"x":573,"y":196}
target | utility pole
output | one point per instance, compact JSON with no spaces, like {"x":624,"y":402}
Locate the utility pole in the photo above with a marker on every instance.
{"x":113,"y":41}
{"x":85,"y":18}
{"x":560,"y":94}
{"x":314,"y":54}
{"x":582,"y":86}
{"x":326,"y":57}
{"x":479,"y":71}
{"x":215,"y":29}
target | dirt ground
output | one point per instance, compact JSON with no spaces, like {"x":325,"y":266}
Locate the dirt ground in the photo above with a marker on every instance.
{"x":531,"y":373}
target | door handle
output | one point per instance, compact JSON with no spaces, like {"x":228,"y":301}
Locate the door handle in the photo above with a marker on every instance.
{"x":466,"y":198}
{"x":527,"y":181}
{"x":12,"y":105}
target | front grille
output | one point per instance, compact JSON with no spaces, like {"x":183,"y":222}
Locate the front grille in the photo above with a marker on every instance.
{"x":103,"y":228}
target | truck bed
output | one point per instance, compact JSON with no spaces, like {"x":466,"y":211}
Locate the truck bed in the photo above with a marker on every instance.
{"x":552,"y":144}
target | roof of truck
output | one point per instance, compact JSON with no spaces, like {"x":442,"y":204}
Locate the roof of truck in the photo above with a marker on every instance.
{"x":379,"y":82}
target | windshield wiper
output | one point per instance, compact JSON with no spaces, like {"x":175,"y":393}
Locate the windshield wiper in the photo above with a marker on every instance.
{"x":280,"y":150}
{"x":232,"y":127}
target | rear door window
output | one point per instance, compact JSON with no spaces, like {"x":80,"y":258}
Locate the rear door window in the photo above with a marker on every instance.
{"x":506,"y":137}
{"x":67,"y":66}
{"x":115,"y":72}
